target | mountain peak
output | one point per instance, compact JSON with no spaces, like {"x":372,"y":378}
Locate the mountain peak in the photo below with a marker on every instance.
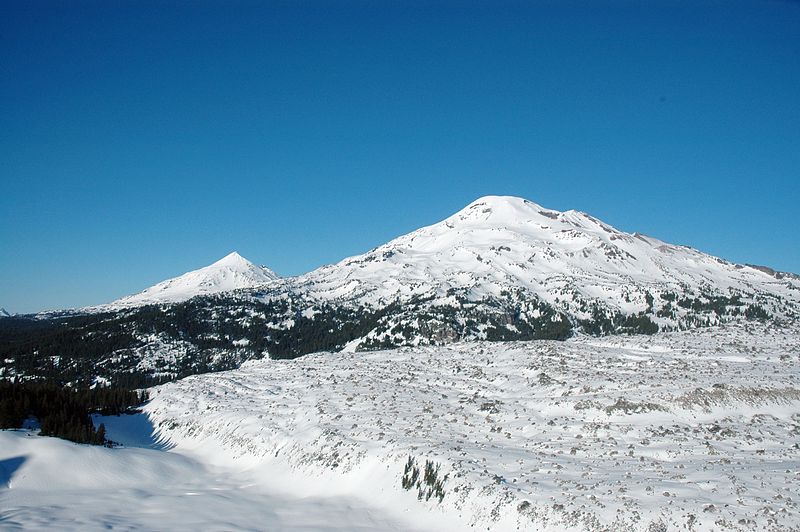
{"x":232,"y":272}
{"x":502,"y":244}
{"x":503,"y":202}
{"x":233,"y":259}
{"x":506,"y":210}
{"x":494,"y":199}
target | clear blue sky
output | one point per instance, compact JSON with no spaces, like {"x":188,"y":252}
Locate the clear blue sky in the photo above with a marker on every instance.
{"x":139,"y":140}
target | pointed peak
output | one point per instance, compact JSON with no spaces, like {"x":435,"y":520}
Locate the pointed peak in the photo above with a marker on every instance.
{"x":232,"y":259}
{"x":231,"y":272}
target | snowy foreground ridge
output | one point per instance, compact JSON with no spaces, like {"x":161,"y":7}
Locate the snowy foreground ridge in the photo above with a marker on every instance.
{"x":51,"y":484}
{"x":693,"y":430}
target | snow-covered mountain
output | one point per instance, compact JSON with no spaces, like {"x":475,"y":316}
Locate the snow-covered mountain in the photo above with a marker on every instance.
{"x":496,"y":246}
{"x":232,"y":272}
{"x":502,"y":243}
{"x":4,"y":313}
{"x":503,"y":268}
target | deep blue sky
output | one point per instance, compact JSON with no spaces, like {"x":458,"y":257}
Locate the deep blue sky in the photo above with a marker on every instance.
{"x":140,"y":140}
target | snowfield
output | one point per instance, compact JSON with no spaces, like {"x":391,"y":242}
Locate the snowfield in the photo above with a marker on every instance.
{"x":52,"y":484}
{"x":695,"y":429}
{"x":692,"y":430}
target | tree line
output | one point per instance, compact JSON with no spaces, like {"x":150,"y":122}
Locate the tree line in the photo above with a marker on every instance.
{"x":63,"y":412}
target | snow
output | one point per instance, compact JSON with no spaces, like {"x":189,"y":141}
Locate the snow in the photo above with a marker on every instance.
{"x":694,"y":429}
{"x":498,"y":244}
{"x":501,"y":243}
{"x":619,"y":433}
{"x":232,"y":272}
{"x":51,"y":484}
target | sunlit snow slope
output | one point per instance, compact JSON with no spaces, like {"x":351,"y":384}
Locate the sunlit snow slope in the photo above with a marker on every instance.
{"x":232,"y":272}
{"x":691,"y":430}
{"x":499,"y":244}
{"x":51,"y":484}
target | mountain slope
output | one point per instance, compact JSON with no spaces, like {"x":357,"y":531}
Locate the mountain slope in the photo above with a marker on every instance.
{"x":503,"y":268}
{"x":232,"y":272}
{"x":509,"y":252}
{"x":502,"y":242}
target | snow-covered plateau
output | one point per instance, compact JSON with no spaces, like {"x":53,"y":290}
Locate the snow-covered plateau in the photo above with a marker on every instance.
{"x":694,"y":430}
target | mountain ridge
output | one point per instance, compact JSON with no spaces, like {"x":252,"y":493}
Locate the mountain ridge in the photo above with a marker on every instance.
{"x":503,"y":268}
{"x":551,"y":245}
{"x":492,"y":223}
